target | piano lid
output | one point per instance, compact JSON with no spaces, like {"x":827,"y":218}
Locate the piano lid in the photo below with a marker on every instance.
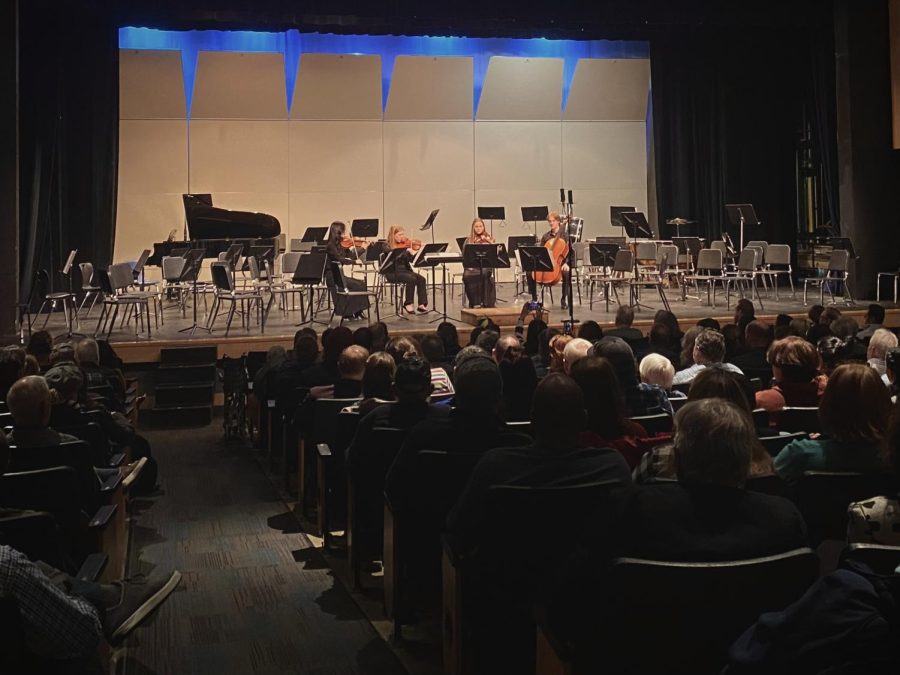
{"x":206,"y":221}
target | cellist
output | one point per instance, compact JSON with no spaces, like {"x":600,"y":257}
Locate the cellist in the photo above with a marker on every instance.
{"x":557,"y":231}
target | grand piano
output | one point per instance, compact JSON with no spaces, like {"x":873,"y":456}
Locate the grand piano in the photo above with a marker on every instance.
{"x":216,"y":229}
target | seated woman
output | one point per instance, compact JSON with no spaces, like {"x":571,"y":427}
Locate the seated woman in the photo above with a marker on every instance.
{"x":480,"y":288}
{"x":853,"y":416}
{"x":401,"y":272}
{"x":796,"y":372}
{"x":607,"y":425}
{"x":335,"y":253}
{"x":877,"y":520}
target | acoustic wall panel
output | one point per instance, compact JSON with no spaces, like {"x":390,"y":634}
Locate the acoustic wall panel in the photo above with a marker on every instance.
{"x":610,"y":155}
{"x":513,"y":200}
{"x":427,"y":156}
{"x":340,"y":156}
{"x":593,"y":206}
{"x":411,"y":210}
{"x":609,"y":89}
{"x":239,"y":85}
{"x":517,"y":155}
{"x":317,"y":209}
{"x":239,"y":156}
{"x":431,"y":88}
{"x":151,"y":84}
{"x":337,"y":87}
{"x":142,"y":219}
{"x":153,"y":156}
{"x":518,"y":88}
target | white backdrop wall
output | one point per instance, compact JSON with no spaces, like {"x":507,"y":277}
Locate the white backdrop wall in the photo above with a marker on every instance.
{"x":337,"y":154}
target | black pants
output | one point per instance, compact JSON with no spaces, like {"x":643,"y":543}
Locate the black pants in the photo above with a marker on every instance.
{"x":480,"y":288}
{"x":415,"y":285}
{"x":566,"y":285}
{"x":343,"y":305}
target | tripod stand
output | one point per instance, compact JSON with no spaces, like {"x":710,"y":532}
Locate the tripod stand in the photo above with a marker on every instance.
{"x":192,"y":264}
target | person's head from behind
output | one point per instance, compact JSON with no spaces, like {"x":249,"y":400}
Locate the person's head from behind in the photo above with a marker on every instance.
{"x":828,"y":315}
{"x":449,"y":336}
{"x":362,"y":336}
{"x":545,"y":351}
{"x":412,"y":380}
{"x":402,"y":347}
{"x":714,"y":443}
{"x":794,"y":360}
{"x":306,"y":348}
{"x":275,"y":355}
{"x":574,"y":351}
{"x":337,"y":340}
{"x":757,"y":335}
{"x":66,"y":380}
{"x":380,"y":336}
{"x":487,"y":340}
{"x":833,"y":352}
{"x":709,"y":348}
{"x":39,"y":345}
{"x":29,"y":402}
{"x":660,"y":336}
{"x":620,"y":357}
{"x":603,"y":399}
{"x":533,"y":336}
{"x":378,"y":379}
{"x":856,"y":405}
{"x":558,"y":412}
{"x":783,"y":320}
{"x":845,"y":327}
{"x":507,"y":347}
{"x":814,"y":313}
{"x":352,"y":363}
{"x":687,"y":345}
{"x":590,"y":330}
{"x":668,"y":319}
{"x":891,"y":447}
{"x":709,"y":323}
{"x":624,"y":316}
{"x":433,"y":348}
{"x":657,"y":369}
{"x":720,"y":383}
{"x":881,"y":342}
{"x":87,"y":352}
{"x":874,"y":314}
{"x":557,"y":350}
{"x":62,"y":352}
{"x":519,"y":380}
{"x":12,"y":367}
{"x":744,"y":312}
{"x":468,"y":352}
{"x":479,"y":388}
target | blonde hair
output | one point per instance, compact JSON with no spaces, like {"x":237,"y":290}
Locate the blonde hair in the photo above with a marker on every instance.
{"x":557,"y":349}
{"x":574,"y":350}
{"x":881,"y":342}
{"x":392,"y":231}
{"x":657,"y":369}
{"x":472,"y":231}
{"x":553,"y":215}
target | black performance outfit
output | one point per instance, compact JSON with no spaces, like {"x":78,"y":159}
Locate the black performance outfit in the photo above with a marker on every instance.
{"x":566,"y":276}
{"x":401,"y":272}
{"x":344,"y":306}
{"x":480,"y":287}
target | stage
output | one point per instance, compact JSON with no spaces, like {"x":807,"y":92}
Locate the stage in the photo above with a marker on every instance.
{"x":281,"y":326}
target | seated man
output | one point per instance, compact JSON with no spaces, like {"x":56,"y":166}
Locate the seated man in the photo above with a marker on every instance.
{"x":754,"y":360}
{"x":873,"y":320}
{"x":705,"y":516}
{"x":641,"y":398}
{"x":351,"y":366}
{"x":623,"y":328}
{"x":709,"y":350}
{"x":881,"y":342}
{"x":29,"y":403}
{"x":87,"y":353}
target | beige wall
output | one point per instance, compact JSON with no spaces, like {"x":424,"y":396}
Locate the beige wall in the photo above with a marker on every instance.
{"x":335,"y":155}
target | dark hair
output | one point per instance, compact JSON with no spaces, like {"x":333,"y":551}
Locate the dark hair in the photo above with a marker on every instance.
{"x":533,"y":337}
{"x":519,"y":382}
{"x":829,"y":314}
{"x":624,"y":316}
{"x":711,"y":344}
{"x":450,"y":337}
{"x":744,"y":308}
{"x":40,"y":344}
{"x":833,"y":352}
{"x":709,"y":322}
{"x":845,"y":327}
{"x":433,"y":347}
{"x":336,"y":232}
{"x":855,"y":405}
{"x":12,"y":366}
{"x":875,"y":313}
{"x":757,"y":333}
{"x":783,"y":320}
{"x":402,"y":347}
{"x":362,"y":336}
{"x":590,"y":330}
{"x":379,"y":376}
{"x":797,"y":359}
{"x":660,"y":336}
{"x":413,"y":377}
{"x":338,"y":340}
{"x":557,"y":410}
{"x":603,"y":397}
{"x":544,"y":344}
{"x":669,"y":319}
{"x":814,"y":313}
{"x":380,"y":336}
{"x":714,"y":442}
{"x":487,"y":339}
{"x":720,"y":383}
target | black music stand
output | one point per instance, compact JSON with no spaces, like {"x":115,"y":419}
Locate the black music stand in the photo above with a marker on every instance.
{"x":233,"y":254}
{"x":387,"y":263}
{"x":193,"y":261}
{"x":602,"y":254}
{"x":309,"y":272}
{"x":615,"y":216}
{"x":492,"y":213}
{"x":364,"y":227}
{"x":532,"y":214}
{"x":429,"y":223}
{"x":314,"y":234}
{"x":535,"y":259}
{"x":636,"y":225}
{"x":485,"y":256}
{"x":741,"y":214}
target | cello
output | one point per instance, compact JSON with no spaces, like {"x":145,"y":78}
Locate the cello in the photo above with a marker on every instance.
{"x":559,"y":251}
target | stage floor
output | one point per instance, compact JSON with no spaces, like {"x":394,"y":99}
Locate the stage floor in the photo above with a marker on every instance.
{"x":281,"y":326}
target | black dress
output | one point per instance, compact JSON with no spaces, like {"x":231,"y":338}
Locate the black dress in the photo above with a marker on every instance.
{"x":344,"y":306}
{"x":402,"y":273}
{"x":480,"y":287}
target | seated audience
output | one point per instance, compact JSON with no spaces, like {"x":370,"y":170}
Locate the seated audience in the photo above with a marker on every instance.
{"x":668,"y":319}
{"x":325,"y":372}
{"x":262,"y":378}
{"x":502,"y":346}
{"x":87,"y":353}
{"x":709,"y":349}
{"x":450,"y":337}
{"x":402,"y":347}
{"x":433,"y":351}
{"x":590,"y":330}
{"x":574,"y":351}
{"x":686,"y":357}
{"x":380,"y":336}
{"x":814,"y":313}
{"x":744,"y":313}
{"x":846,"y":328}
{"x":607,"y":426}
{"x":834,"y":352}
{"x":351,"y":366}
{"x":656,"y":369}
{"x":797,"y":381}
{"x":39,"y":346}
{"x":377,"y":382}
{"x":640,"y":398}
{"x":362,"y":336}
{"x":881,"y":342}
{"x":291,"y":373}
{"x":623,"y":328}
{"x":557,"y":352}
{"x":659,"y":341}
{"x":710,"y":324}
{"x":557,"y":417}
{"x":29,"y":404}
{"x":873,"y":320}
{"x":487,"y":340}
{"x":12,"y":367}
{"x":533,"y":337}
{"x":519,"y":382}
{"x":734,"y":342}
{"x":753,"y":361}
{"x":544,"y":356}
{"x":853,"y":416}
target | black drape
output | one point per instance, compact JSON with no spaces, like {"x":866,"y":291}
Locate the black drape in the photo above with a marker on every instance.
{"x":69,"y":117}
{"x":727,"y":109}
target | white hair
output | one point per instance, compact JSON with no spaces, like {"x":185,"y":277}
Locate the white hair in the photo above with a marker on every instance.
{"x":657,"y":369}
{"x":576,"y":349}
{"x":881,"y":342}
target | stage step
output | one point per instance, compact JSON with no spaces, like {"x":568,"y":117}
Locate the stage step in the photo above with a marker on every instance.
{"x":185,"y":383}
{"x":175,"y":374}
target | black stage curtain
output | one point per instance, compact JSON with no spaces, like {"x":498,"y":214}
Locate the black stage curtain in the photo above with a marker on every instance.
{"x":727,"y":110}
{"x":69,"y":131}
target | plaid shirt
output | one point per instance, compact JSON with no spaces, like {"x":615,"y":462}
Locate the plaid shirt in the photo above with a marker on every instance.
{"x":646,"y":399}
{"x":655,"y":464}
{"x":56,"y":625}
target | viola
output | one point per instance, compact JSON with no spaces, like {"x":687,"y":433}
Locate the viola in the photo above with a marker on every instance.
{"x":354,"y":242}
{"x":411,"y":244}
{"x":559,"y":251}
{"x":482,"y":239}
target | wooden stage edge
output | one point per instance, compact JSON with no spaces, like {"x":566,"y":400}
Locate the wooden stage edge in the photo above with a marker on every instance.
{"x":147,"y":351}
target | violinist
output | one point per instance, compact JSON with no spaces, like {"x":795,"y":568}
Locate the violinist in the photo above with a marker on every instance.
{"x":557,"y":232}
{"x":401,"y":272}
{"x":335,"y":252}
{"x":480,"y":287}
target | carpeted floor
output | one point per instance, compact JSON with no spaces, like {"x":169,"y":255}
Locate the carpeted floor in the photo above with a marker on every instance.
{"x":256,"y":597}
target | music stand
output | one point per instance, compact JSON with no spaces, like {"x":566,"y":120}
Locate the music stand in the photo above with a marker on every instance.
{"x":193,"y":261}
{"x":233,"y":254}
{"x":388,"y":263}
{"x":615,"y":216}
{"x":741,"y":214}
{"x":492,"y":213}
{"x":364,"y":227}
{"x":485,"y":256}
{"x":309,"y":272}
{"x":315,"y":234}
{"x":602,"y":254}
{"x":461,"y":243}
{"x":429,"y":223}
{"x":532,"y":214}
{"x":636,"y":225}
{"x":535,"y":259}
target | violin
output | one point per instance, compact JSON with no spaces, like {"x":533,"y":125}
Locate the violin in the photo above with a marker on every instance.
{"x":559,"y":251}
{"x":411,"y":244}
{"x":482,"y":239}
{"x":354,"y":242}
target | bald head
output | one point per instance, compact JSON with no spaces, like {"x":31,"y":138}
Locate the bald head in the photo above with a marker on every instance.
{"x":503,"y":346}
{"x":557,"y":412}
{"x":352,"y":362}
{"x":574,"y":351}
{"x":29,"y":402}
{"x":88,"y":352}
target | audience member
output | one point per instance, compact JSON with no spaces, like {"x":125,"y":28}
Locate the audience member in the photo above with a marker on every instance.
{"x":709,"y":323}
{"x":487,"y":340}
{"x":557,"y":352}
{"x":814,"y":313}
{"x":640,"y":398}
{"x":575,"y":350}
{"x":377,"y":382}
{"x":873,"y":320}
{"x":828,"y":315}
{"x":659,"y":341}
{"x":796,"y":374}
{"x":607,"y":426}
{"x":734,"y":343}
{"x":380,"y":336}
{"x":853,"y":417}
{"x":623,"y":328}
{"x":450,"y":337}
{"x":351,"y":367}
{"x":265,"y":375}
{"x":709,"y":349}
{"x":590,"y":330}
{"x":833,"y":352}
{"x":846,"y":328}
{"x":291,"y":373}
{"x":402,"y":347}
{"x":466,"y":353}
{"x":502,"y":347}
{"x":39,"y":346}
{"x":657,"y":370}
{"x":744,"y":313}
{"x":433,"y":351}
{"x":544,"y":357}
{"x":87,"y":353}
{"x":12,"y":367}
{"x":533,"y":337}
{"x":669,"y":320}
{"x":481,"y":325}
{"x":686,"y":358}
{"x":754,"y":360}
{"x":519,"y":382}
{"x":62,"y":352}
{"x":29,"y":404}
{"x":363,"y":337}
{"x":881,"y":342}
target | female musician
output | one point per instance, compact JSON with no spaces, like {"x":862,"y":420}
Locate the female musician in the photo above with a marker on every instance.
{"x":556,"y":231}
{"x":401,"y":272}
{"x":480,"y":288}
{"x":336,"y":254}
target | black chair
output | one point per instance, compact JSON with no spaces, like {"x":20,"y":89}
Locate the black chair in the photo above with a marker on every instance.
{"x":775,"y":444}
{"x":92,"y":434}
{"x":331,"y":474}
{"x":799,"y":419}
{"x":37,"y":535}
{"x":678,"y":403}
{"x":655,"y":424}
{"x":823,"y":497}
{"x":322,"y":428}
{"x":761,"y":418}
{"x":882,"y":559}
{"x":693,"y":610}
{"x":76,"y":455}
